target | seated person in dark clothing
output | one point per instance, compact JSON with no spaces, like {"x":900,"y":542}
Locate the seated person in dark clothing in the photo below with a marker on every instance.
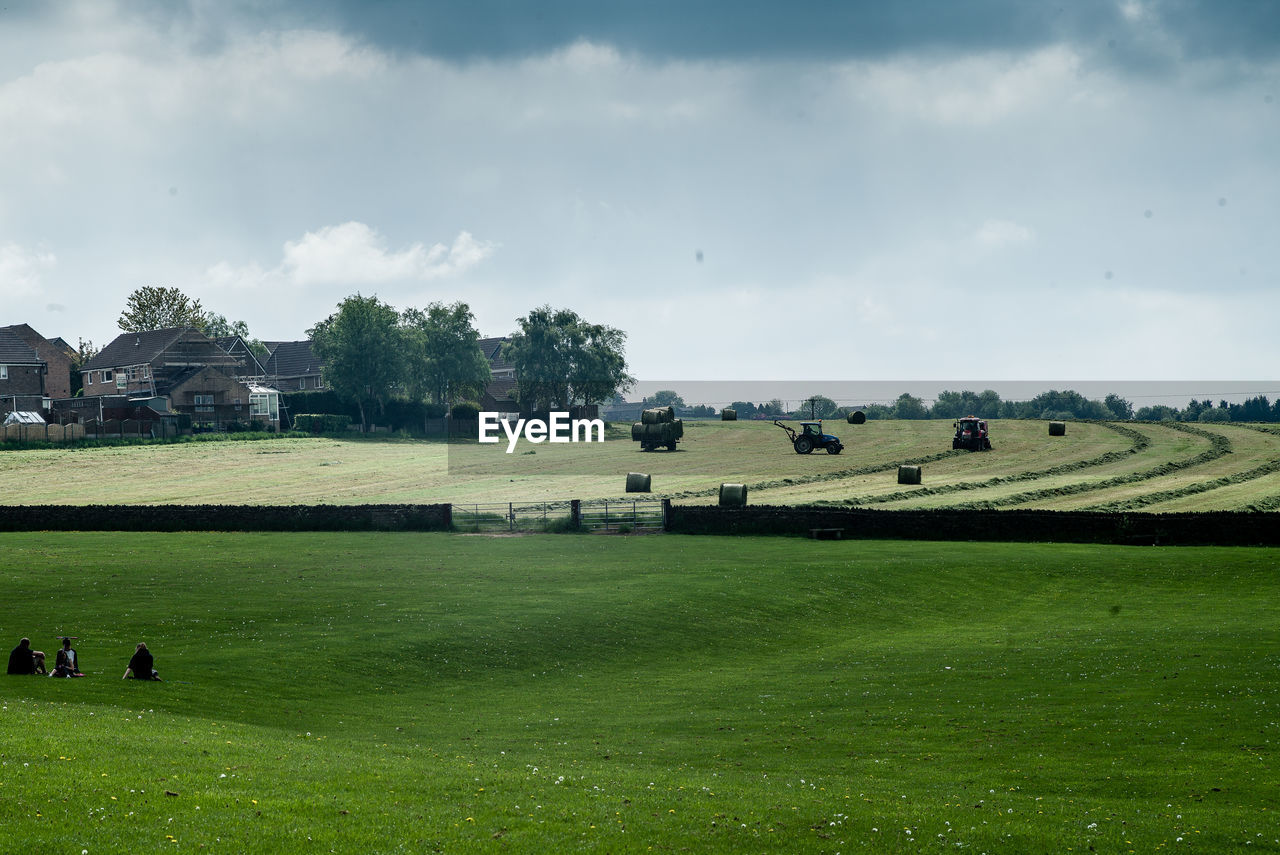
{"x":21,"y":660}
{"x":68,"y":662}
{"x":142,"y":665}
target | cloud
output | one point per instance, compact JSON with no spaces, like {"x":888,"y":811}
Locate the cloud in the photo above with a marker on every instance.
{"x":994,"y":234}
{"x":21,"y":269}
{"x":354,"y":254}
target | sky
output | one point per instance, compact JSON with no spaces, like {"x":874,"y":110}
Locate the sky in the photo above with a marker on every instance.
{"x":750,"y":190}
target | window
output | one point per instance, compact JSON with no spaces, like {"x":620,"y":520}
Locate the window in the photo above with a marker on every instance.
{"x":237,"y":403}
{"x":4,"y":372}
{"x":105,"y":376}
{"x":204,"y":403}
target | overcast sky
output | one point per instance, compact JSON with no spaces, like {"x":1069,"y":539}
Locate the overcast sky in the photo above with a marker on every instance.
{"x":751,"y":190}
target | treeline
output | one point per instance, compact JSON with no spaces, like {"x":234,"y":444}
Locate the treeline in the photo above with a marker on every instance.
{"x":988,"y":404}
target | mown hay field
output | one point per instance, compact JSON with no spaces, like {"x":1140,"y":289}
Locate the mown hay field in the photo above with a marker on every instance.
{"x":1096,"y":466}
{"x":433,"y":692}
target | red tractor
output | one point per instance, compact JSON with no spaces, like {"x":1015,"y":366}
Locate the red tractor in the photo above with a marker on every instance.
{"x":971,"y":433}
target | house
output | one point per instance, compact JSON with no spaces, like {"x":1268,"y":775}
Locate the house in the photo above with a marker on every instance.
{"x":292,"y":367}
{"x":56,"y":355}
{"x":183,"y":369}
{"x":22,"y":375}
{"x":142,"y":363}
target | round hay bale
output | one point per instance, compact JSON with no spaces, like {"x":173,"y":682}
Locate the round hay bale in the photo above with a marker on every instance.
{"x":658,"y":415}
{"x":728,"y":414}
{"x":1057,"y":428}
{"x":733,"y":495}
{"x":908,"y":474}
{"x":637,"y":431}
{"x":677,"y":429}
{"x":637,"y":482}
{"x":857,"y":417}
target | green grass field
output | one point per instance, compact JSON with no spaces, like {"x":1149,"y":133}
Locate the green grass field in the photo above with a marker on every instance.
{"x":418,"y":693}
{"x":1133,"y":467}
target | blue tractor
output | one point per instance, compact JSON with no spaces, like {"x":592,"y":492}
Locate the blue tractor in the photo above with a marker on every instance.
{"x":810,"y":436}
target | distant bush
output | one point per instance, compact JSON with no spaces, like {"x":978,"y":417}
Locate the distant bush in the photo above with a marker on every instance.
{"x":321,"y":422}
{"x":465,"y":410}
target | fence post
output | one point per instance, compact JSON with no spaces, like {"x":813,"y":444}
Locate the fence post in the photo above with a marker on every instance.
{"x":575,"y":512}
{"x":511,"y":517}
{"x":666,"y":513}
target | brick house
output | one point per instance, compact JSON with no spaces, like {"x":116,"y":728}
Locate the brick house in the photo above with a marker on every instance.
{"x":55,"y":354}
{"x":185,"y":367}
{"x":22,"y":375}
{"x":291,"y":366}
{"x":143,"y":363}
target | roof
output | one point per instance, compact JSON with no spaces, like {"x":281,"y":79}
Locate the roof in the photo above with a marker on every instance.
{"x":492,"y":348}
{"x":292,"y":359}
{"x":136,"y":348}
{"x":15,"y":351}
{"x":26,"y":418}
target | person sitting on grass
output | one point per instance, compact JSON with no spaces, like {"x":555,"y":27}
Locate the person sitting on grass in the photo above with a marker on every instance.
{"x":21,"y":658}
{"x":142,"y":665}
{"x":68,"y":662}
{"x":38,"y":655}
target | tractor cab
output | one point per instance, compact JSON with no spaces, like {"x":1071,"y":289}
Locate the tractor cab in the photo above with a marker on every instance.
{"x":813,"y":429}
{"x":971,"y":433}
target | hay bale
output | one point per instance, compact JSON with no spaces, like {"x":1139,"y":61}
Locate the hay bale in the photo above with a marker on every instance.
{"x":728,"y":414}
{"x":908,"y":474}
{"x":733,"y":495}
{"x":677,"y":429}
{"x":857,"y":417}
{"x":637,"y":431}
{"x":1057,"y":428}
{"x":637,"y":482}
{"x":658,"y":415}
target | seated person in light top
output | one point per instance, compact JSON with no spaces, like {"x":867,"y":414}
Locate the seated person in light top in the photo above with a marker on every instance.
{"x":142,"y":665}
{"x":68,"y":662}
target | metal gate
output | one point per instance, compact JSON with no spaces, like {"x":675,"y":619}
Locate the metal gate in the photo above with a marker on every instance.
{"x":513,"y":516}
{"x":628,"y":515}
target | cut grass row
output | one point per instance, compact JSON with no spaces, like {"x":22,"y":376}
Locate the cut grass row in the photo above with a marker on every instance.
{"x":384,"y":693}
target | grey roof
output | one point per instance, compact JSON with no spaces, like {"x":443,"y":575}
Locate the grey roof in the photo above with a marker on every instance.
{"x":292,"y":359}
{"x":15,"y":351}
{"x":492,"y":350}
{"x":135,"y":348}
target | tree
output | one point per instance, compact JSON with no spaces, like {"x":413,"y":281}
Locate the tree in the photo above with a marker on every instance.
{"x":155,"y":308}
{"x":560,"y":360}
{"x":362,"y":346}
{"x":816,"y":407}
{"x":444,"y":360}
{"x":85,"y":351}
{"x":1119,"y":407}
{"x":909,"y":407}
{"x":665,"y":398}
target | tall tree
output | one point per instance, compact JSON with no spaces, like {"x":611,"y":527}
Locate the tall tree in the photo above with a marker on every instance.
{"x":155,"y":308}
{"x":444,"y":360}
{"x":560,"y":359}
{"x":85,"y":350}
{"x":362,"y":346}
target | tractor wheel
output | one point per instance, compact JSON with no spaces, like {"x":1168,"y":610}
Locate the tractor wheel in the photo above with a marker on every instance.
{"x":835,"y":448}
{"x":955,"y":445}
{"x":803,"y":445}
{"x":671,"y":446}
{"x":986,"y":445}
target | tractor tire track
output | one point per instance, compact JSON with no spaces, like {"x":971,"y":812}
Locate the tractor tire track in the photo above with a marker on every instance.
{"x":1140,"y":442}
{"x":1219,"y":446}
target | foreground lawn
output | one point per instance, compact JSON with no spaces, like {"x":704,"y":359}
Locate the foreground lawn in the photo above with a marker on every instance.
{"x":416,"y":693}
